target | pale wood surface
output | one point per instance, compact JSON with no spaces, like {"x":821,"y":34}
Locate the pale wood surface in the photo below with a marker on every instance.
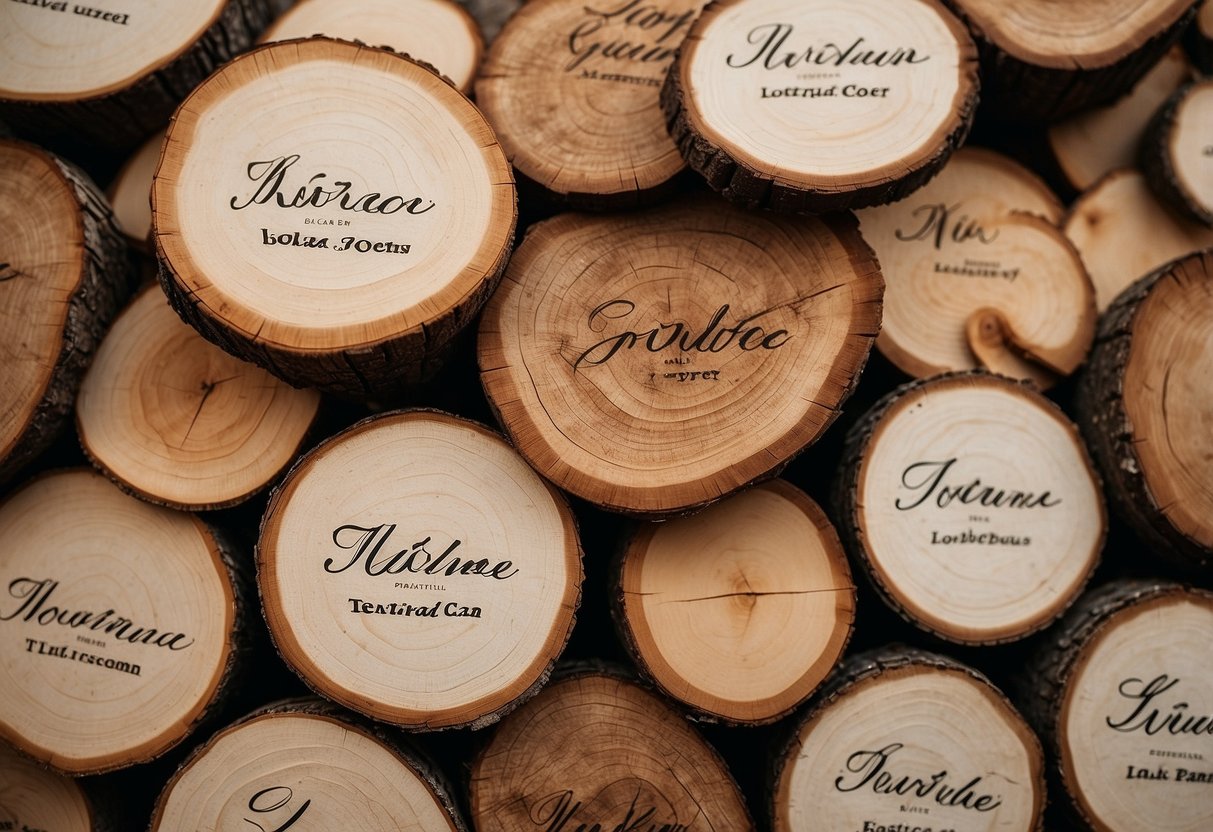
{"x":131,"y":193}
{"x":33,"y":798}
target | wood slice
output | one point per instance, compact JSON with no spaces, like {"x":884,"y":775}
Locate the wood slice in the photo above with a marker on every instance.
{"x":110,"y":76}
{"x":973,"y":281}
{"x":1042,"y":61}
{"x":904,"y":740}
{"x":596,"y":751}
{"x":1146,"y":408}
{"x":437,"y":32}
{"x":1199,"y":38}
{"x":340,"y":241}
{"x":972,"y":504}
{"x":573,"y":92}
{"x":175,"y":420}
{"x":655,"y":362}
{"x":123,"y":623}
{"x":1121,"y":693}
{"x":1089,"y":144}
{"x":32,"y":798}
{"x":1123,"y":232}
{"x":453,"y":621}
{"x":1177,"y":153}
{"x":62,"y":277}
{"x":131,"y":191}
{"x":305,"y":762}
{"x":821,"y":106}
{"x":742,"y":610}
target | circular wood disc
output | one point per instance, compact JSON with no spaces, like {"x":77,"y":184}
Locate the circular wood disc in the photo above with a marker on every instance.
{"x":972,"y":503}
{"x":415,"y":569}
{"x":910,"y":740}
{"x":597,"y":751}
{"x":119,"y":618}
{"x":1178,"y":153}
{"x":175,"y":420}
{"x":36,"y":799}
{"x":130,"y":193}
{"x":289,"y":766}
{"x":654,"y":362}
{"x":438,"y":32}
{"x":344,"y":235}
{"x":821,"y":106}
{"x":1123,"y":232}
{"x":742,"y":610}
{"x":572,"y":89}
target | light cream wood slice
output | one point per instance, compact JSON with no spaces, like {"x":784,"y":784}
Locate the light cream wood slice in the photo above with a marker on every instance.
{"x":1199,"y":39}
{"x":175,"y":420}
{"x":1177,"y":153}
{"x":821,"y":106}
{"x":1089,"y":144}
{"x":903,"y":739}
{"x":742,"y":610}
{"x":113,"y":73}
{"x":1124,"y":696}
{"x":1043,"y":61}
{"x":972,"y":503}
{"x":974,"y":281}
{"x":572,"y":89}
{"x":438,"y":32}
{"x":120,"y":619}
{"x":654,"y":362}
{"x":1123,"y":232}
{"x":596,"y":751}
{"x":1146,"y":406}
{"x":303,"y":765}
{"x":413,"y":568}
{"x":131,"y":193}
{"x":62,"y":277}
{"x":36,"y":799}
{"x":345,"y":236}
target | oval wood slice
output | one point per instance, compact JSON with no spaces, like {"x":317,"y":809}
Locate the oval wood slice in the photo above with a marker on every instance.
{"x":1043,"y":61}
{"x":62,"y":277}
{"x":902,"y":739}
{"x":121,"y":622}
{"x":972,"y":504}
{"x":112,"y":74}
{"x":415,"y":569}
{"x":438,"y":32}
{"x":1089,"y":144}
{"x":974,"y":281}
{"x":1123,"y":694}
{"x":1146,"y":407}
{"x":742,"y":610}
{"x":1199,"y":39}
{"x":36,"y":799}
{"x":340,"y":241}
{"x":1177,"y":152}
{"x":1123,"y":232}
{"x":131,"y":191}
{"x":175,"y":420}
{"x":304,"y":763}
{"x":824,"y":105}
{"x":652,"y":363}
{"x":573,"y":89}
{"x":595,"y":750}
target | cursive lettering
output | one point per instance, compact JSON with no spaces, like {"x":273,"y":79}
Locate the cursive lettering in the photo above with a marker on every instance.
{"x":869,"y":768}
{"x":366,"y":542}
{"x":658,"y":39}
{"x":557,"y":812}
{"x":770,"y":38}
{"x":1150,"y":719}
{"x":270,"y":177}
{"x":940,"y":222}
{"x":926,"y":479}
{"x":271,"y":800}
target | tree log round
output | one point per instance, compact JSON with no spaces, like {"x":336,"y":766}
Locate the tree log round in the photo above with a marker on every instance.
{"x":175,"y":420}
{"x":654,"y":362}
{"x":1042,"y":61}
{"x":32,"y":798}
{"x":596,"y":751}
{"x":1121,"y":694}
{"x":821,"y":106}
{"x":413,"y":568}
{"x":972,"y":504}
{"x":1146,"y":408}
{"x":437,"y":32}
{"x":741,"y":610}
{"x":1200,"y":38}
{"x":340,"y":241}
{"x":306,"y":762}
{"x":1123,"y":232}
{"x":123,"y":622}
{"x":63,"y":275}
{"x":903,"y":739}
{"x":1177,"y":152}
{"x":130,"y":193}
{"x":111,"y":76}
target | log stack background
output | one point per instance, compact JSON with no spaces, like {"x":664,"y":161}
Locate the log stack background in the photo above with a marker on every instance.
{"x":1093,"y":135}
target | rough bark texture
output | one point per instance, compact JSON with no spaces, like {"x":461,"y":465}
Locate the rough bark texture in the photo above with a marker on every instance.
{"x":1158,"y":164}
